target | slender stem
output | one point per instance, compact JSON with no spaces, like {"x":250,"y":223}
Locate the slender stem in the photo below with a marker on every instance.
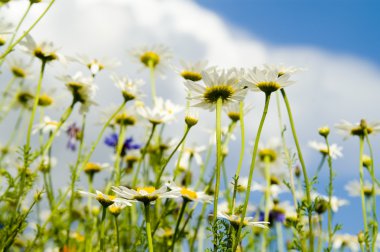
{"x":218,"y":155}
{"x":35,"y":105}
{"x":102,"y":228}
{"x":304,"y":171}
{"x":119,"y":148}
{"x":373,"y":196}
{"x":171,"y":155}
{"x":117,"y":234}
{"x":267,"y":200}
{"x":280,"y":240}
{"x":241,"y":157}
{"x":152,"y":81}
{"x":10,"y":48}
{"x":182,"y":211}
{"x":144,"y":151}
{"x":6,"y":90}
{"x":251,"y":170}
{"x":148,"y":229}
{"x":320,"y":165}
{"x":320,"y":238}
{"x":330,"y":194}
{"x":286,"y":151}
{"x":364,"y":211}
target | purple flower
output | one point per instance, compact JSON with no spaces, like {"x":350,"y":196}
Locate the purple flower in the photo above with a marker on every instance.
{"x":73,"y":132}
{"x":112,"y":140}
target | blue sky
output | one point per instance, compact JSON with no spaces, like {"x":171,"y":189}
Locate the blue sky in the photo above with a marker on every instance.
{"x":341,"y":26}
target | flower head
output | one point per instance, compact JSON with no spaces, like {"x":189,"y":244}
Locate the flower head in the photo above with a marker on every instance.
{"x":342,"y":241}
{"x":222,"y":85}
{"x":47,"y":126}
{"x":358,"y":129}
{"x":156,"y":56}
{"x":128,"y":144}
{"x":147,"y":195}
{"x":45,"y":51}
{"x":83,"y":90}
{"x":265,"y":80}
{"x":104,"y":199}
{"x":335,"y":150}
{"x":74,"y":134}
{"x":162,"y":112}
{"x":95,"y":65}
{"x":193,"y":71}
{"x":129,"y":88}
{"x":248,"y":221}
{"x":5,"y":29}
{"x":282,"y":69}
{"x":353,"y":188}
{"x":19,"y":68}
{"x":189,"y":194}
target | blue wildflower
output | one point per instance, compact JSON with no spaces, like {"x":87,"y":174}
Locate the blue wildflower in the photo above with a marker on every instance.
{"x":74,"y":133}
{"x":112,"y":140}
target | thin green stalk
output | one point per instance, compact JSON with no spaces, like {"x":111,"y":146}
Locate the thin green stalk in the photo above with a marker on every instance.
{"x":144,"y":151}
{"x":330,"y":194}
{"x":182,"y":211}
{"x":241,"y":157}
{"x":373,"y":196}
{"x":6,"y":90}
{"x":219,"y":154}
{"x":171,"y":155}
{"x":152,"y":81}
{"x":10,"y":48}
{"x":35,"y":105}
{"x":117,"y":234}
{"x":280,"y":239}
{"x":364,"y":210}
{"x":320,"y":238}
{"x":148,"y":228}
{"x":304,"y":171}
{"x":266,"y":200}
{"x":251,"y":170}
{"x":102,"y":228}
{"x":119,"y":147}
{"x":320,"y":165}
{"x":203,"y":168}
{"x":286,"y":151}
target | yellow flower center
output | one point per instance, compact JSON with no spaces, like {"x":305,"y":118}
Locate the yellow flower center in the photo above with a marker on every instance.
{"x":359,"y":131}
{"x":191,"y":195}
{"x":44,"y":100}
{"x":18,"y":72}
{"x":148,"y":189}
{"x":191,"y":121}
{"x":268,"y":86}
{"x":92,"y":168}
{"x":234,"y":116}
{"x":114,"y":209}
{"x":43,"y":55}
{"x":2,"y":41}
{"x":24,"y":97}
{"x":124,"y":119}
{"x":268,"y":153}
{"x":105,"y":200}
{"x":190,"y":75}
{"x":150,"y":59}
{"x":75,"y":88}
{"x":212,"y":94}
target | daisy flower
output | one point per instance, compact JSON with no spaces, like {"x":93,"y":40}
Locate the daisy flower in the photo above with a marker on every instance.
{"x":282,"y":69}
{"x":116,"y":207}
{"x":358,"y":129}
{"x":19,"y":68}
{"x":191,"y":117}
{"x":194,"y":152}
{"x":274,"y":189}
{"x":23,"y":98}
{"x":95,"y":65}
{"x":45,"y":163}
{"x":130,"y":89}
{"x":335,"y":150}
{"x":104,"y":199}
{"x":265,"y":81}
{"x":336,"y":202}
{"x":233,"y":111}
{"x":224,"y":85}
{"x":156,"y":57}
{"x":353,"y":188}
{"x":193,"y":71}
{"x":190,"y":195}
{"x":5,"y":29}
{"x":342,"y":241}
{"x":248,"y":221}
{"x":147,"y":195}
{"x":162,"y":112}
{"x":83,"y":90}
{"x":47,"y":126}
{"x":45,"y":51}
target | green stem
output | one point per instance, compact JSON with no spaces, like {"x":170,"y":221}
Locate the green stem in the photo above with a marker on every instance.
{"x":320,"y":238}
{"x":241,"y":157}
{"x":304,"y":171}
{"x":364,"y":210}
{"x":171,"y":155}
{"x":251,"y":170}
{"x":280,"y":240}
{"x":152,"y":81}
{"x":373,"y":196}
{"x":148,"y":229}
{"x":117,"y":234}
{"x":6,"y":90}
{"x":102,"y":228}
{"x":120,"y":142}
{"x":330,"y":194}
{"x":35,"y":105}
{"x":219,"y":154}
{"x":144,"y":151}
{"x":320,"y":165}
{"x":10,"y":48}
{"x":267,"y":200}
{"x":182,"y":211}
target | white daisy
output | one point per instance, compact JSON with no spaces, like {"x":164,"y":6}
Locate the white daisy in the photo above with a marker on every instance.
{"x":130,"y":89}
{"x":104,"y":199}
{"x":335,"y":150}
{"x":189,"y":194}
{"x":5,"y":30}
{"x":156,"y":56}
{"x":45,"y":51}
{"x":265,"y":81}
{"x":193,"y":71}
{"x":82,"y":88}
{"x":342,"y":241}
{"x":248,"y":221}
{"x":162,"y":112}
{"x":95,"y":65}
{"x":282,"y":69}
{"x":117,"y":206}
{"x":223,"y":84}
{"x":194,"y":151}
{"x":233,"y":111}
{"x":47,"y":126}
{"x":336,"y":202}
{"x":353,"y":188}
{"x":348,"y":129}
{"x":274,"y":189}
{"x":19,"y":68}
{"x":146,"y":195}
